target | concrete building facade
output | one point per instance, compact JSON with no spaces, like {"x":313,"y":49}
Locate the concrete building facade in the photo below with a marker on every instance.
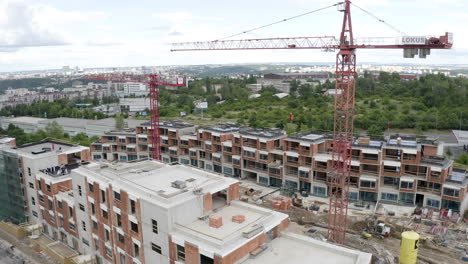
{"x":397,"y":170}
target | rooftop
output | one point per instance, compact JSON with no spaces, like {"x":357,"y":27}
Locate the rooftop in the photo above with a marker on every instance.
{"x":110,"y":122}
{"x":265,"y":133}
{"x":47,"y":147}
{"x":25,"y":120}
{"x":295,"y":249}
{"x":66,"y":121}
{"x":171,"y":124}
{"x":310,"y":136}
{"x":230,"y":235}
{"x":223,"y":128}
{"x":154,"y":181}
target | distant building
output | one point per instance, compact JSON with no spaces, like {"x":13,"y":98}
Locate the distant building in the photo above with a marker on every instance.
{"x":331,"y":92}
{"x":133,"y":89}
{"x":133,"y":105}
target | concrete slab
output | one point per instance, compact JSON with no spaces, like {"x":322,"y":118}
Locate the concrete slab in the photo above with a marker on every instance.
{"x":294,"y":249}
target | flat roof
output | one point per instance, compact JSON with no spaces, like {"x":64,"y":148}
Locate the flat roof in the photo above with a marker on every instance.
{"x":24,"y":120}
{"x":171,"y":124}
{"x":266,"y":133}
{"x":222,"y":128}
{"x":153,"y":181}
{"x":110,"y":122}
{"x":229,"y":236}
{"x":48,"y":147}
{"x":67,"y":121}
{"x":298,"y":249}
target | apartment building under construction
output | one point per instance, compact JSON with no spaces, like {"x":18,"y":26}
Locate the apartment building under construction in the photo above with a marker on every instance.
{"x":396,"y":169}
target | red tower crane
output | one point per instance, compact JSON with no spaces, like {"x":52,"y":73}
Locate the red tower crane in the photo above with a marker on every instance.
{"x":153,"y":81}
{"x":345,"y":76}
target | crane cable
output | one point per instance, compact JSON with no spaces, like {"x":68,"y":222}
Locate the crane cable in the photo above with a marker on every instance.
{"x":380,"y":20}
{"x":280,"y":21}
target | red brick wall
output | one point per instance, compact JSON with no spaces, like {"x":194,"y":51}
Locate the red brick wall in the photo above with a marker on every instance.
{"x":233,"y":192}
{"x":86,"y":155}
{"x":241,"y":252}
{"x":192,"y":256}
{"x":172,"y":251}
{"x":207,"y":202}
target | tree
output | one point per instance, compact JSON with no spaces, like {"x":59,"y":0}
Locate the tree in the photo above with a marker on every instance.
{"x":463,"y":159}
{"x":375,"y":130}
{"x":120,"y":122}
{"x":53,"y":129}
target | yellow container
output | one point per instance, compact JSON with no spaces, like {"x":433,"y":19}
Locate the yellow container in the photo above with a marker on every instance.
{"x":409,"y":247}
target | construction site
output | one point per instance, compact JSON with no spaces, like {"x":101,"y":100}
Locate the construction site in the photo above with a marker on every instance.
{"x":403,"y":204}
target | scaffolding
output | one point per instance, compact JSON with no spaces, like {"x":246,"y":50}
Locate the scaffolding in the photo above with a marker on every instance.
{"x":11,"y":189}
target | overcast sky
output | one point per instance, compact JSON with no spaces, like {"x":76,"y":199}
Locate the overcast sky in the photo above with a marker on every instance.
{"x":47,"y":34}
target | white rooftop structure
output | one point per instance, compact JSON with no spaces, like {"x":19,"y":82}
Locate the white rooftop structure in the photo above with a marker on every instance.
{"x":296,"y":249}
{"x":230,"y":235}
{"x":281,"y":95}
{"x":461,"y":135}
{"x":153,"y":181}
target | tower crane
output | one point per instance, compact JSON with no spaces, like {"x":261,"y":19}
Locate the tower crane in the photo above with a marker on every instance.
{"x":153,"y":81}
{"x":345,"y":76}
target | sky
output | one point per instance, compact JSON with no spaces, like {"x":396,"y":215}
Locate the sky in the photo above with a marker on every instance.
{"x":49,"y":34}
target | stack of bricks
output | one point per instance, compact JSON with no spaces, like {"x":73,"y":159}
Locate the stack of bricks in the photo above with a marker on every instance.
{"x":282,"y":204}
{"x":216,"y":221}
{"x":238,"y":219}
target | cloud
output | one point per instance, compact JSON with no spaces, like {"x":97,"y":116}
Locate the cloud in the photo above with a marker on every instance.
{"x":35,"y":25}
{"x":175,"y":33}
{"x":18,"y":27}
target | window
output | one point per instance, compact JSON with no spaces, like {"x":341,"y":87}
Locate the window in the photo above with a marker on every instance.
{"x":120,"y":238}
{"x":406,"y":185}
{"x":263,"y":180}
{"x":50,"y":204}
{"x":320,"y":191}
{"x":31,"y":185}
{"x":86,"y":242}
{"x":96,"y":156}
{"x":48,"y":188}
{"x":61,"y":221}
{"x":123,"y":158}
{"x":93,"y":209}
{"x":389,"y":196}
{"x":451,"y":192}
{"x":353,"y":196}
{"x":134,"y":227}
{"x":407,"y":197}
{"x":83,"y":224}
{"x":368,"y":184}
{"x":91,"y":187}
{"x":249,"y":154}
{"x":71,"y":226}
{"x":136,"y":250}
{"x":304,"y":174}
{"x":155,"y":226}
{"x":264,"y":156}
{"x":106,"y":232}
{"x":103,"y":196}
{"x":33,"y":201}
{"x":132,"y":206}
{"x":29,"y":171}
{"x":228,"y":171}
{"x":157,"y":248}
{"x":180,"y":253}
{"x":209,"y":167}
{"x":433,"y":203}
{"x":34,"y":213}
{"x":109,"y":252}
{"x":70,"y":211}
{"x":41,"y":198}
{"x":122,"y":258}
{"x":79,"y":190}
{"x":39,"y":185}
{"x":119,"y":220}
{"x":82,"y":207}
{"x":95,"y":225}
{"x":117,"y":196}
{"x":96,"y":244}
{"x":104,"y":214}
{"x":59,"y":204}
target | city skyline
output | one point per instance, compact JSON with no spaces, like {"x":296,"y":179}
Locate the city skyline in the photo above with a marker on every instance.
{"x":43,"y":35}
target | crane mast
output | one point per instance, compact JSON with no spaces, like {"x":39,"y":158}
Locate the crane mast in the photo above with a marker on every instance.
{"x":345,"y":76}
{"x":153,"y":81}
